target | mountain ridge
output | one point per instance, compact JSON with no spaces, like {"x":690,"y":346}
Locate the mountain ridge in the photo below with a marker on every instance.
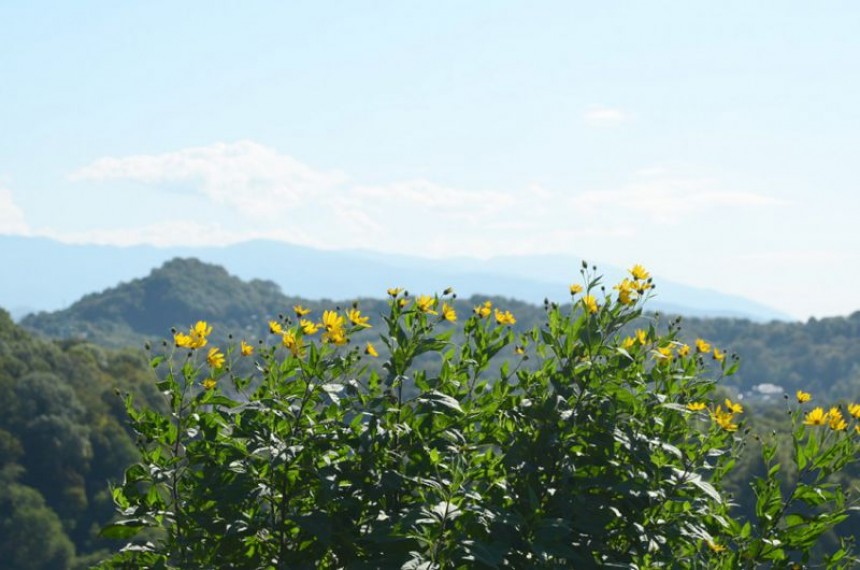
{"x":35,"y":262}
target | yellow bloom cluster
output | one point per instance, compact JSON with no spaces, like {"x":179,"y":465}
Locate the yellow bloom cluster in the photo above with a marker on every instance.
{"x":505,"y":318}
{"x":484,"y":310}
{"x":629,"y":290}
{"x":725,"y":419}
{"x":309,"y":327}
{"x":196,"y":337}
{"x":832,"y":417}
{"x":335,"y":332}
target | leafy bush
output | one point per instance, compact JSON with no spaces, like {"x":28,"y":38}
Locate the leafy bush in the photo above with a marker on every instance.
{"x":607,"y":450}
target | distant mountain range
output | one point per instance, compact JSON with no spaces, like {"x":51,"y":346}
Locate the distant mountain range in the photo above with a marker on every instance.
{"x":41,"y":274}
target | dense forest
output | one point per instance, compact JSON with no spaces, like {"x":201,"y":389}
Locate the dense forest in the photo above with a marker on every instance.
{"x":62,"y":440}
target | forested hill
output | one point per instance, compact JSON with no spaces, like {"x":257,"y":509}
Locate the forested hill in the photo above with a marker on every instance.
{"x":62,"y":439}
{"x":822,"y":356}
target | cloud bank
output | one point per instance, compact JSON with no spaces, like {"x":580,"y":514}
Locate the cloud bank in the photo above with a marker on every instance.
{"x":262,"y":193}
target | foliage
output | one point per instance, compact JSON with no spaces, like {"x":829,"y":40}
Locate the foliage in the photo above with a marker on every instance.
{"x":606,"y":450}
{"x":819,"y":355}
{"x":62,"y":437}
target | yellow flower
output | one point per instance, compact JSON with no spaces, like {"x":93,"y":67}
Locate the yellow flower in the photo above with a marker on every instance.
{"x":716,"y":547}
{"x":209,"y":384}
{"x":641,"y":336}
{"x":702,"y":346}
{"x":356,"y":318}
{"x":215,"y":358}
{"x":837,"y":422}
{"x":590,"y":304}
{"x":309,"y":327}
{"x":369,"y":349}
{"x":484,"y":310}
{"x":734,"y":407}
{"x":696,"y":406}
{"x":663,"y":355}
{"x":724,"y":419}
{"x":182,"y":340}
{"x":448,"y":312}
{"x":275,"y":327}
{"x":335,"y":336}
{"x":331,"y":320}
{"x":301,"y":311}
{"x":625,"y":292}
{"x":395,"y":291}
{"x":854,"y":410}
{"x":719,"y":356}
{"x":403,"y":303}
{"x":199,"y":332}
{"x":684,"y":350}
{"x":333,"y":324}
{"x":425,"y":304}
{"x":196,"y":337}
{"x":817,"y":417}
{"x":575,"y":288}
{"x":803,"y":397}
{"x":292,"y":343}
{"x":505,"y":318}
{"x":519,"y":351}
{"x":638,"y":272}
{"x":628,"y":343}
{"x":247,"y":349}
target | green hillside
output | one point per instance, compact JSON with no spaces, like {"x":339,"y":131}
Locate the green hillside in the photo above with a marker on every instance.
{"x":822,"y":356}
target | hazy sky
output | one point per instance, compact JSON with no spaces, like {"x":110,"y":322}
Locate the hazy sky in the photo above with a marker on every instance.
{"x":716,"y":143}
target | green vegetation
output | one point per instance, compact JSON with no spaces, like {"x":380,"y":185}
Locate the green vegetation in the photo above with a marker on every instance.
{"x":64,"y":432}
{"x":611,"y":450}
{"x":822,"y":356}
{"x":62,"y":439}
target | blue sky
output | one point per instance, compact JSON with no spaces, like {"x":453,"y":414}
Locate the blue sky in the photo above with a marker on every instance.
{"x":715,"y":143}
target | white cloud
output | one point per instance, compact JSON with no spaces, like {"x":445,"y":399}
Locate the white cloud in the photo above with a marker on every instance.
{"x":262,"y":193}
{"x":599,"y":116}
{"x":12,"y":221}
{"x":255,"y":179}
